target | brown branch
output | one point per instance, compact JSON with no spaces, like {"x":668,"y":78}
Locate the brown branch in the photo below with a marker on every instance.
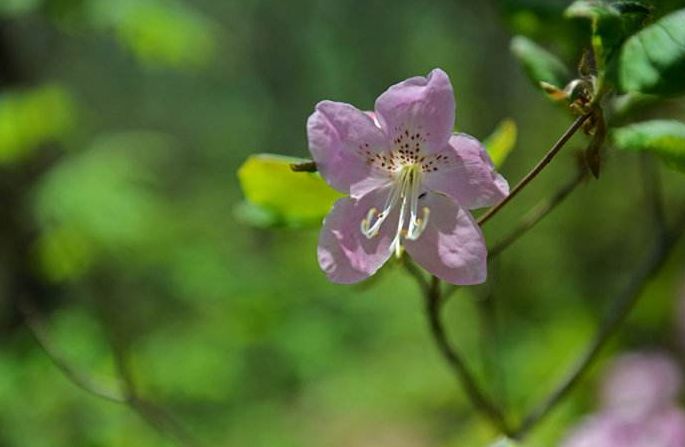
{"x":617,"y":313}
{"x":554,"y":150}
{"x":477,"y":397}
{"x":532,"y":218}
{"x":536,"y":214}
{"x":304,"y":166}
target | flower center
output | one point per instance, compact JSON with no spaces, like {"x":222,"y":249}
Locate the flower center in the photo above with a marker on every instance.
{"x":405,"y":191}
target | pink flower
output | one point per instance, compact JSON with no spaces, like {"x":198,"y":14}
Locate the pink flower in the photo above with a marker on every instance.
{"x":639,"y":406}
{"x":639,"y":384}
{"x":665,"y":428}
{"x":411,"y":182}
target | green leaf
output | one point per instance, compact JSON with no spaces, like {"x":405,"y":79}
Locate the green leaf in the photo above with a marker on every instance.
{"x":13,"y":8}
{"x":501,"y":141}
{"x":539,"y":64}
{"x":280,"y":197}
{"x":611,"y":25}
{"x":606,"y":27}
{"x":665,"y":138}
{"x":653,"y":60}
{"x":160,"y":33}
{"x":29,"y":118}
{"x":103,"y":200}
{"x":63,"y":253}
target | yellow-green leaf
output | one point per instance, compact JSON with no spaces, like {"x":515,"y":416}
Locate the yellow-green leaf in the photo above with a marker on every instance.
{"x":64,"y":253}
{"x":501,"y":142}
{"x":277,"y":196}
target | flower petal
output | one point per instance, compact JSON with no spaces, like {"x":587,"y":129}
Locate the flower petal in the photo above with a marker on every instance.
{"x":640,"y":383}
{"x":423,"y":105}
{"x":345,"y":254}
{"x":467,"y":174}
{"x":340,"y":139}
{"x":452,"y":246}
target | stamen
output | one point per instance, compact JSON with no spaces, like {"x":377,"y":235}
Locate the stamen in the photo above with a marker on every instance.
{"x":406,"y":190}
{"x":416,"y":227}
{"x":366,"y":230}
{"x":371,"y":230}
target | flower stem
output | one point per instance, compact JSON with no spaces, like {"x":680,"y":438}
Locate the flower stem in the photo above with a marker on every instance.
{"x":416,"y":272}
{"x":537,"y":169}
{"x":478,"y":398}
{"x":536,"y":214}
{"x":617,"y":313}
{"x":653,"y":191}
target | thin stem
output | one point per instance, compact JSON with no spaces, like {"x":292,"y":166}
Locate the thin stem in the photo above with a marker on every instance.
{"x":77,"y":377}
{"x":652,"y":184}
{"x":479,"y":399}
{"x":125,"y":394}
{"x":489,"y":343}
{"x":537,"y":169}
{"x":536,"y":214}
{"x":529,"y":220}
{"x":617,"y":313}
{"x":153,"y":414}
{"x":414,"y":271}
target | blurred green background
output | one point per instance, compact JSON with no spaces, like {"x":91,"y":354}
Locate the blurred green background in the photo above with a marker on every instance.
{"x":122,"y":126}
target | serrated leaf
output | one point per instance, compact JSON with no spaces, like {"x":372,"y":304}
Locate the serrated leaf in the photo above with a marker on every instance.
{"x":501,"y":141}
{"x":653,"y":60}
{"x":666,"y":138}
{"x":283,"y":197}
{"x":539,"y":64}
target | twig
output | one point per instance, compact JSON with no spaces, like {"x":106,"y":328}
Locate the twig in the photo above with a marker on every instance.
{"x":125,"y":394}
{"x":652,"y":184}
{"x":532,"y":218}
{"x":77,"y":377}
{"x":536,"y":170}
{"x":536,"y":214}
{"x":619,"y":309}
{"x":304,"y":166}
{"x":154,"y":415}
{"x":479,"y":399}
{"x":489,"y":343}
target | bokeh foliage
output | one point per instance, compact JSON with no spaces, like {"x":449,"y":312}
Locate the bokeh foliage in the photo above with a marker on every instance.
{"x":122,"y":125}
